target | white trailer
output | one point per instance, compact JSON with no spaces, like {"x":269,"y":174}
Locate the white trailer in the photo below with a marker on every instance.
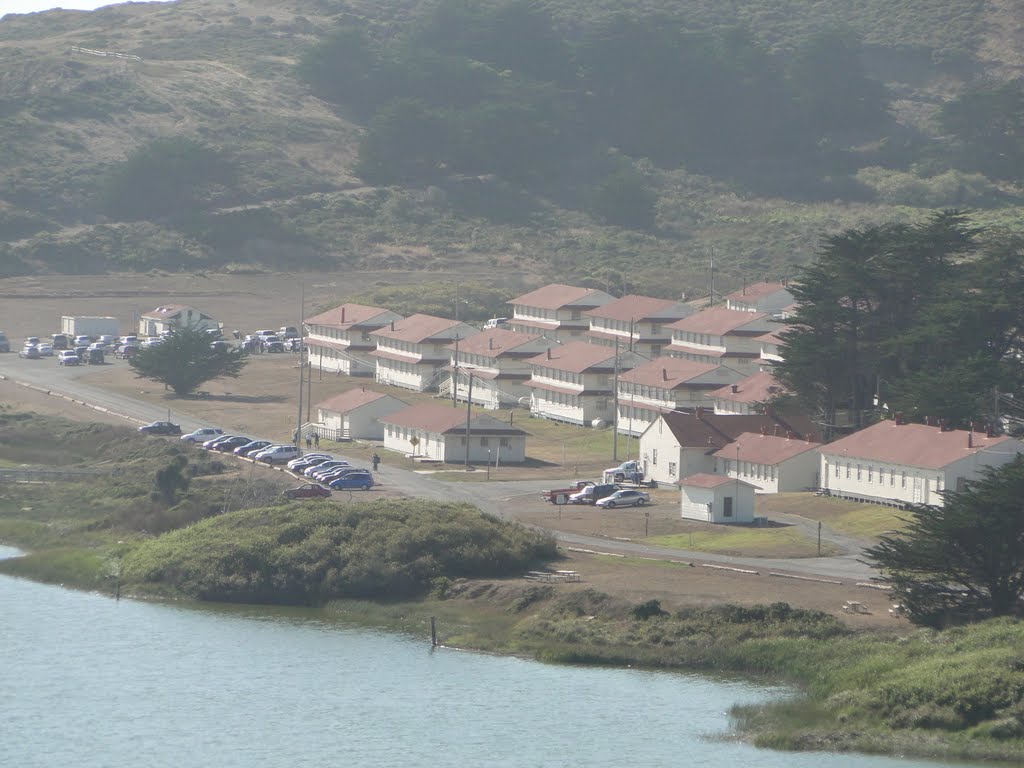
{"x":81,"y":325}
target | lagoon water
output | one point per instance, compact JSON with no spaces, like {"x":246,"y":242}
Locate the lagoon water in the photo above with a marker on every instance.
{"x":94,"y":683}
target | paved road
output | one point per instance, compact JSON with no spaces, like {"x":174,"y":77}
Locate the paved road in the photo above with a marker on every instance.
{"x":493,"y":498}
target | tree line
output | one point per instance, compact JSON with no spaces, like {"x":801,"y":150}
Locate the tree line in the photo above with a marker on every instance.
{"x":478,"y":89}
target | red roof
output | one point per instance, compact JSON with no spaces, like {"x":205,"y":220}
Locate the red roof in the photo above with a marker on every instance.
{"x":558,"y":296}
{"x":702,"y":428}
{"x":766,"y":449}
{"x":348,"y":316}
{"x":417,"y":329}
{"x":756,"y":291}
{"x":443,"y":419}
{"x":642,"y":309}
{"x":915,"y":445}
{"x":353,"y":399}
{"x":672,"y":373}
{"x":577,"y":357}
{"x":761,"y":387}
{"x":494,"y":343}
{"x":716,"y":321}
{"x":707,"y":480}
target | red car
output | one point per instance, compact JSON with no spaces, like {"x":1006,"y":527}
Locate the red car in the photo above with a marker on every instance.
{"x":307,"y":491}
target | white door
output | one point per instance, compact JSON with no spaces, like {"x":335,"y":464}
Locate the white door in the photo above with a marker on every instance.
{"x":918,"y":490}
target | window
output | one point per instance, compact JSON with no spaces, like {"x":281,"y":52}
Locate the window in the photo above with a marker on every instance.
{"x":484,"y":442}
{"x":505,"y":442}
{"x":847,"y":470}
{"x":671,"y":469}
{"x":871,"y":472}
{"x":462,"y":441}
{"x":892,"y":477}
{"x":837,"y":469}
{"x":654,"y":457}
{"x":858,"y":471}
{"x":903,"y":480}
{"x":961,"y":484}
{"x":727,"y":512}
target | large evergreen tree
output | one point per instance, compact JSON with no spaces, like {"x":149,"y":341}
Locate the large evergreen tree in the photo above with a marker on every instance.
{"x":963,"y":560}
{"x":186,"y":359}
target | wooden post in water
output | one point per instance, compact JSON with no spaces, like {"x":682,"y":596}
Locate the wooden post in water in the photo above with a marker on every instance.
{"x":433,"y":632}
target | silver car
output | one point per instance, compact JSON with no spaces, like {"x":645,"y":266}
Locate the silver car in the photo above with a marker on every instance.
{"x":625,"y":498}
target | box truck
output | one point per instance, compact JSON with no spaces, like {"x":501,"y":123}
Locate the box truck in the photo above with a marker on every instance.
{"x":81,"y":325}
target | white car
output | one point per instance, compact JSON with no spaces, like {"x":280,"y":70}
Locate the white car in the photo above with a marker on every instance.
{"x":625,"y":498}
{"x":202,"y":435}
{"x":45,"y":350}
{"x":68,"y":357}
{"x":83,"y":341}
{"x":277,"y":454}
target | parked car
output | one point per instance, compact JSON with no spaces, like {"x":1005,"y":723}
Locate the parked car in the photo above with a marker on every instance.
{"x":228,"y":444}
{"x":355,"y":480}
{"x":202,"y":435}
{"x":60,"y":341}
{"x":161,"y":428}
{"x":82,"y":340}
{"x":30,"y":353}
{"x":94,"y":356}
{"x":288,"y":332}
{"x":212,"y":441}
{"x":324,"y":468}
{"x":68,"y":357}
{"x":80,"y":351}
{"x":264,"y":333}
{"x":127,"y":352}
{"x":591,"y":494}
{"x":131,"y":339}
{"x":334,"y":474}
{"x":496,"y":322}
{"x":277,"y":454}
{"x":220,"y":346}
{"x":625,"y":498}
{"x":309,"y":460}
{"x":31,"y":341}
{"x":307,"y":491}
{"x":45,"y":350}
{"x":254,"y":447}
{"x":105,"y":339}
{"x":152,"y":341}
{"x":5,"y":343}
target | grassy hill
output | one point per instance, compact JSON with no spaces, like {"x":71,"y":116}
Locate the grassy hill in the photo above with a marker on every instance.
{"x":226,"y":76}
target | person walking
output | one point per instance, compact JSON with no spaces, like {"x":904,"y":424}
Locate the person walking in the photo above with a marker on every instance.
{"x":309,"y":442}
{"x":316,"y":440}
{"x":375,"y":460}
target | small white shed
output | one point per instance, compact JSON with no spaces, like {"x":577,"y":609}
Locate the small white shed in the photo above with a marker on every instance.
{"x":716,"y":499}
{"x":356,"y":414}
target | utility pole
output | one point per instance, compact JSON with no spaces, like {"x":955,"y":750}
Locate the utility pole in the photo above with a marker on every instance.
{"x":456,"y":301}
{"x":469,"y":413}
{"x":298,"y":420}
{"x":712,"y":302}
{"x":309,"y":386}
{"x":455,"y":374}
{"x":615,"y":407}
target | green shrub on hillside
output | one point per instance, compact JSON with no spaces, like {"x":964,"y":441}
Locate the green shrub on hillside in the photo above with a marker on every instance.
{"x":310,"y":553}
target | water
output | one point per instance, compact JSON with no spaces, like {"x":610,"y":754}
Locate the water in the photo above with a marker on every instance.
{"x":94,"y":683}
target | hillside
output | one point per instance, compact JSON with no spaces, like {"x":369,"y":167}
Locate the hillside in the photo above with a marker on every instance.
{"x":224,"y":146}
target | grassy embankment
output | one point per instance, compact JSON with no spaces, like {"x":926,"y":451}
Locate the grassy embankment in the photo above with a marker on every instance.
{"x":958,"y":693}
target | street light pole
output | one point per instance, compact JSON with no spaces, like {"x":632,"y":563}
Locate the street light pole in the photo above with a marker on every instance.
{"x":469,"y":413}
{"x":615,"y":406}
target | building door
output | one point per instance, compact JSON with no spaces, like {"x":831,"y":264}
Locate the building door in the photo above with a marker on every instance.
{"x":918,"y":491}
{"x":727,"y":512}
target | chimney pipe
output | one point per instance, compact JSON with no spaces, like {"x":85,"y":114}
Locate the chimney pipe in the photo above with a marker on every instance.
{"x":392,"y":325}
{"x":343,"y":313}
{"x":490,"y":342}
{"x":664,"y":374}
{"x":549,"y":353}
{"x":735,"y":388}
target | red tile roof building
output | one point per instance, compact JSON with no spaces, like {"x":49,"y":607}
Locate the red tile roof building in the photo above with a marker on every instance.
{"x":771,"y":298}
{"x":499,"y":361}
{"x":413,"y":353}
{"x":356,"y":414}
{"x":339,"y":339}
{"x":637,"y":323}
{"x":899,"y":463}
{"x":773,"y":464}
{"x":438,"y":432}
{"x":721,"y":335}
{"x":556,"y":311}
{"x":749,"y":395}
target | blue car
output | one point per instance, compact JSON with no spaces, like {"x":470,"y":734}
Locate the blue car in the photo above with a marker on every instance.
{"x":362,"y":481}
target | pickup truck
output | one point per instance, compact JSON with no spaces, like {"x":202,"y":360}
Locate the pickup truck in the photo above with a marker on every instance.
{"x":628,"y":471}
{"x":561,"y":495}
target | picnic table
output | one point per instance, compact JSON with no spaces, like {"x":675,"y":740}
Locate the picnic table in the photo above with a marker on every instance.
{"x":552,"y":576}
{"x":853,"y":606}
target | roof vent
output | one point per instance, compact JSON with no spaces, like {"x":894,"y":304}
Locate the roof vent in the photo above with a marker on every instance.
{"x":392,"y":325}
{"x":343,"y":313}
{"x":549,"y":353}
{"x":735,"y":388}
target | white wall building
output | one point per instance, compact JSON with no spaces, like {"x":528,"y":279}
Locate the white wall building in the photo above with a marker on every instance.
{"x":771,"y":349}
{"x":438,"y":432}
{"x":413,"y":353}
{"x":771,"y":464}
{"x":749,"y":395}
{"x":574,"y":382}
{"x":339,"y":339}
{"x":899,"y":463}
{"x":771,"y":298}
{"x":681,"y":443}
{"x":637,"y":323}
{"x":169,"y":317}
{"x":356,"y":414}
{"x":721,"y":336}
{"x":556,"y":311}
{"x":667,"y":384}
{"x":498,"y":361}
{"x":716,"y":499}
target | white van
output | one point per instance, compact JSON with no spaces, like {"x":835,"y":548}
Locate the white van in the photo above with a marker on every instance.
{"x":496,"y":322}
{"x":277,"y":454}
